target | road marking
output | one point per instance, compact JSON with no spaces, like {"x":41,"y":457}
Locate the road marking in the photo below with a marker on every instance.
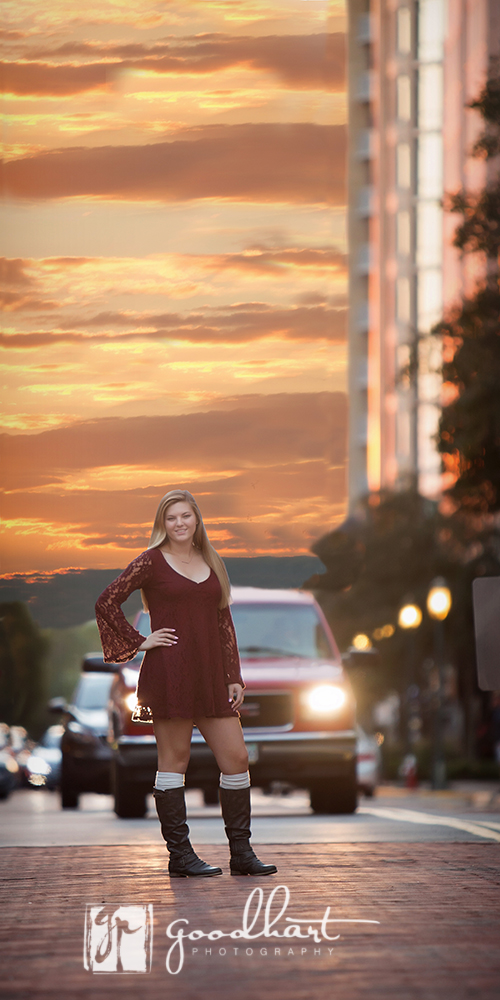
{"x":412,"y":816}
{"x":488,"y":822}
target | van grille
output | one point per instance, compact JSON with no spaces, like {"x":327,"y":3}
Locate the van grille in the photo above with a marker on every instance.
{"x":271,"y":710}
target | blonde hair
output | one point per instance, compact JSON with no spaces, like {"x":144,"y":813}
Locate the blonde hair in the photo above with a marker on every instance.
{"x":200,"y":541}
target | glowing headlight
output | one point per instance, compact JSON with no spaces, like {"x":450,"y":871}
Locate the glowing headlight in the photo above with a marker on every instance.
{"x":37,"y":765}
{"x":9,"y":763}
{"x":131,"y":701}
{"x":326,"y":699}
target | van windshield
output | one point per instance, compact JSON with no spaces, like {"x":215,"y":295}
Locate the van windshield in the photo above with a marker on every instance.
{"x":280,"y":630}
{"x":93,"y":691}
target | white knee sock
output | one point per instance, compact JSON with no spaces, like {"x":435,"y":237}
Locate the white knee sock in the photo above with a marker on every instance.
{"x":168,"y":779}
{"x":235,"y":780}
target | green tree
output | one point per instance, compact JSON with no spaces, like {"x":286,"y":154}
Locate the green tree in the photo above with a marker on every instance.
{"x":392,"y":550}
{"x":23,"y":682}
{"x":469,"y":430}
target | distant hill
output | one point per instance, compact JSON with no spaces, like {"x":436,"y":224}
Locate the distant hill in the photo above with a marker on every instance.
{"x":65,"y":599}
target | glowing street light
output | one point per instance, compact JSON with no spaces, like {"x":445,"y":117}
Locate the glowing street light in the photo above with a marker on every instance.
{"x":410,"y":616}
{"x":438,"y":605}
{"x":361,"y":641}
{"x":439,"y":600}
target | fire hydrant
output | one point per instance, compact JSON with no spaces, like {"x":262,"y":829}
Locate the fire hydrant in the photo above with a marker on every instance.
{"x":408,"y":770}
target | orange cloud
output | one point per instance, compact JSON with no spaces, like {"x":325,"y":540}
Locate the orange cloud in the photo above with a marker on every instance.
{"x":299,"y":61}
{"x":13,"y":271}
{"x":39,"y":79}
{"x":268,"y":472}
{"x":268,"y":431}
{"x":237,"y":324}
{"x":255,"y":162}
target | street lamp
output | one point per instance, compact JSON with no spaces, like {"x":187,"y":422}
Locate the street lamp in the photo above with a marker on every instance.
{"x":409,"y":618}
{"x":438,"y":605}
{"x":439,"y":600}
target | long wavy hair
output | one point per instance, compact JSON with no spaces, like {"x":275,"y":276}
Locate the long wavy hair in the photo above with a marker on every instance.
{"x":200,"y":541}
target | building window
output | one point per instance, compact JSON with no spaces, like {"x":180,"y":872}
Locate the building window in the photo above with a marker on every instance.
{"x":403,"y":98}
{"x":365,"y":29}
{"x":403,"y":233}
{"x":403,"y":300}
{"x":404,"y":30}
{"x":403,"y":165}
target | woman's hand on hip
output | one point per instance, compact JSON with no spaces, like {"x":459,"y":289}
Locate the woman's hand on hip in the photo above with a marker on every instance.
{"x":162,"y":637}
{"x":236,"y":696}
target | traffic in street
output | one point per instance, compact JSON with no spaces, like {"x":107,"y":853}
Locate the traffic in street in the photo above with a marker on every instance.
{"x":464,"y":812}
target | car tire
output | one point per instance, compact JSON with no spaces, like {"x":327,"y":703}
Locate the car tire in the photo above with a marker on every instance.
{"x":69,"y":797}
{"x":130,"y":799}
{"x":332,"y":797}
{"x":211,"y":795}
{"x":69,"y":794}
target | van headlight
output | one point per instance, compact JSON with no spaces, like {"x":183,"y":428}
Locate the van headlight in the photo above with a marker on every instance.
{"x":325,"y":699}
{"x":131,"y":701}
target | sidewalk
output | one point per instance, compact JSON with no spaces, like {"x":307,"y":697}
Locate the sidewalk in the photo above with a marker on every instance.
{"x":437,"y":937}
{"x":476,"y":794}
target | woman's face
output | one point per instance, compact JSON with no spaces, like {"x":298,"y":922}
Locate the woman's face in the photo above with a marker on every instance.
{"x":180,"y":522}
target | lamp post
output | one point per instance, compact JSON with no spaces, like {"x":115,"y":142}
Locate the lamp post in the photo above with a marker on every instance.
{"x":438,"y":606}
{"x":409,"y":618}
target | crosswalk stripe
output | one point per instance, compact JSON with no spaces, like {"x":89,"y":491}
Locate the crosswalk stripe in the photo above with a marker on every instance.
{"x":414,"y":816}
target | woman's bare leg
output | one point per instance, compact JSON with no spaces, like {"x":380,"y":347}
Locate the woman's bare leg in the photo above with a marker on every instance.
{"x":225,"y":739}
{"x":173,"y":740}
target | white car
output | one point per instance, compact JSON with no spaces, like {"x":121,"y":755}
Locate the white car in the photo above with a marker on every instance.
{"x":368,"y":762}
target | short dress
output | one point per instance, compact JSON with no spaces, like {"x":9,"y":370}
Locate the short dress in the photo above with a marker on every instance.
{"x":188,"y":679}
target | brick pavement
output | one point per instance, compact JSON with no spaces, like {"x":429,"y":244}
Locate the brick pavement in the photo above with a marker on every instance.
{"x":438,"y":937}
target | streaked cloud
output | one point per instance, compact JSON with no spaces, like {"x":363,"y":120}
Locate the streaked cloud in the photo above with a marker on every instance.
{"x":255,"y":162}
{"x":278,"y":430}
{"x":314,"y":62}
{"x":174,"y":303}
{"x":266,"y":471}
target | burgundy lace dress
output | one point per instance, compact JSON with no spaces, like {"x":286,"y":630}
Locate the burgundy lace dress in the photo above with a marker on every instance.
{"x":188,"y":679}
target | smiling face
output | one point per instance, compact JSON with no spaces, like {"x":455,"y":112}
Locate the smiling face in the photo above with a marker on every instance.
{"x":180,"y":522}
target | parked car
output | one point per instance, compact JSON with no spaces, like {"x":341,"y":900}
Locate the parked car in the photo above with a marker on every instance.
{"x":368,"y":762}
{"x":12,"y":742}
{"x":298,"y":715}
{"x":10,"y":775}
{"x":86,"y":752}
{"x":43,"y":766}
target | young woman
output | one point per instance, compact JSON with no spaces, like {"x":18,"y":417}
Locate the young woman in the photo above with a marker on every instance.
{"x":189,"y":676}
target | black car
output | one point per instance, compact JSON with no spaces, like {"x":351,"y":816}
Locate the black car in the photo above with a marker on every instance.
{"x":86,"y":753}
{"x":9,"y":774}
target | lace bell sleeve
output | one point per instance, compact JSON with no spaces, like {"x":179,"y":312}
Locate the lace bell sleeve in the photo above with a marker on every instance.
{"x":230,"y":655}
{"x":120,"y":640}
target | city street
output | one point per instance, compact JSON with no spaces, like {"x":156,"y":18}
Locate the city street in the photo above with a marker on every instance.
{"x":398,"y":900}
{"x":466,"y":812}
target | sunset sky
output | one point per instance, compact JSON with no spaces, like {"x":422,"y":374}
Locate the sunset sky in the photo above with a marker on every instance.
{"x":174,"y":274}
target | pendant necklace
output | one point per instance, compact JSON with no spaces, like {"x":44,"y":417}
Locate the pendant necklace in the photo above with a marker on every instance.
{"x":186,"y":561}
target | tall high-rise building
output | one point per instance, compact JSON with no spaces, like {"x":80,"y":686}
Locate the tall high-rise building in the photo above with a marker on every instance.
{"x":414,"y":65}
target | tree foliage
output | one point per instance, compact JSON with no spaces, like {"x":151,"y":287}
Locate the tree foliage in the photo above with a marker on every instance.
{"x":469,"y":430}
{"x":22,"y":674}
{"x":389,"y":553}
